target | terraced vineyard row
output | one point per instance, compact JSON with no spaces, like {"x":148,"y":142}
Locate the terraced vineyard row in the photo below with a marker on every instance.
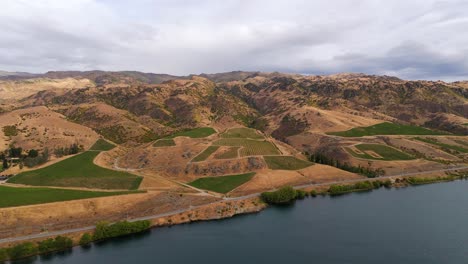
{"x":249,"y":147}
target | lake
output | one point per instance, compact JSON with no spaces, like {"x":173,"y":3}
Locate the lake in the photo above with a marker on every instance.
{"x":424,"y":224}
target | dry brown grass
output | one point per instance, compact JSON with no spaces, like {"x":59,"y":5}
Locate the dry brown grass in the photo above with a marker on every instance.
{"x":40,"y":127}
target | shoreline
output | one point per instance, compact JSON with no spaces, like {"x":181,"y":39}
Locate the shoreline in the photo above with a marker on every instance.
{"x":227,"y":208}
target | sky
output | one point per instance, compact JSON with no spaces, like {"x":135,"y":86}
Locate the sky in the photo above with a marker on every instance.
{"x":410,"y":39}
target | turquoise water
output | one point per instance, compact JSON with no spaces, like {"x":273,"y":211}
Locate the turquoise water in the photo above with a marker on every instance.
{"x":424,"y":224}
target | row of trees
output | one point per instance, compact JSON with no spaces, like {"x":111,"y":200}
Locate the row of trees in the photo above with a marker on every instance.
{"x":30,"y":159}
{"x":72,"y":149}
{"x":360,"y":186}
{"x":284,"y":195}
{"x":366,"y":171}
{"x":33,"y":157}
{"x":30,"y":248}
{"x":103,"y":230}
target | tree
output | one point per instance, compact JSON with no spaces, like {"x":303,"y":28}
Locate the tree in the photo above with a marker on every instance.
{"x":86,"y":238}
{"x":33,"y":153}
{"x":5,"y":164}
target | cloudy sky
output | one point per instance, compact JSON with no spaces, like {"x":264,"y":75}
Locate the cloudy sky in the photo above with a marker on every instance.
{"x":413,"y":39}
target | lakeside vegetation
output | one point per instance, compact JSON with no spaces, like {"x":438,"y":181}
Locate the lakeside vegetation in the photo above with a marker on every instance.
{"x":386,"y":129}
{"x":284,"y":195}
{"x":337,"y":189}
{"x":222,"y":184}
{"x":385,"y":152}
{"x":78,"y":171}
{"x":445,"y":147}
{"x":104,"y":230}
{"x":199,"y":132}
{"x":205,"y":154}
{"x":428,"y":180}
{"x":286,"y":163}
{"x":18,"y":196}
{"x":241,"y":132}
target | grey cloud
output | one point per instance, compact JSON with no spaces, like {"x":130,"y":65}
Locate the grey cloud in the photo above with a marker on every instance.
{"x":420,"y":39}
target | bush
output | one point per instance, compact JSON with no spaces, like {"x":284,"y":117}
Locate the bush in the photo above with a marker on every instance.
{"x":85,"y":239}
{"x":313,"y":193}
{"x":300,"y":194}
{"x":3,"y":254}
{"x":387,"y":183}
{"x":105,"y":230}
{"x":418,"y":181}
{"x":341,"y":189}
{"x":377,"y":184}
{"x":56,"y":244}
{"x":22,"y":250}
{"x":282,"y":196}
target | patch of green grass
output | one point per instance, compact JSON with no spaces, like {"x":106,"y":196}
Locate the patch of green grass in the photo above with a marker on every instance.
{"x":12,"y":196}
{"x":241,"y":132}
{"x":442,"y":145}
{"x":199,"y":132}
{"x":102,"y":145}
{"x":78,"y":171}
{"x":386,"y":129}
{"x":164,"y":143}
{"x":250,"y":147}
{"x":230,"y":154}
{"x":222,"y":184}
{"x":286,"y":163}
{"x":205,"y":154}
{"x":386,"y":152}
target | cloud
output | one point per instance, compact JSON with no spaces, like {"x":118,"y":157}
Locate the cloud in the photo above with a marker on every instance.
{"x":419,"y":39}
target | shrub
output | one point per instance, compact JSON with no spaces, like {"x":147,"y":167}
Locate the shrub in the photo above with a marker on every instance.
{"x":313,"y":193}
{"x":3,"y":254}
{"x":22,"y":250}
{"x":85,"y":239}
{"x":105,"y":230}
{"x":387,"y":183}
{"x":58,"y":243}
{"x":300,"y":194}
{"x":282,"y":196}
{"x":377,"y":184}
{"x":341,"y":189}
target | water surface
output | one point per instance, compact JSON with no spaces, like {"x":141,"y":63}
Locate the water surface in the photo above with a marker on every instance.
{"x":424,"y":224}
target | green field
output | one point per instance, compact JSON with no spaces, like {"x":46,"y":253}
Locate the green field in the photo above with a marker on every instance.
{"x":12,"y":196}
{"x":386,"y":152}
{"x":386,"y":129}
{"x":286,"y":163}
{"x":205,"y":154}
{"x":443,"y":145}
{"x":199,"y":132}
{"x":78,"y":171}
{"x":222,"y":184}
{"x":230,"y":154}
{"x":164,"y":143}
{"x":102,"y":145}
{"x":241,"y":132}
{"x":249,"y":147}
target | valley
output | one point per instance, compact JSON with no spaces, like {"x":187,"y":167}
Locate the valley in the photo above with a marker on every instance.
{"x":123,"y":145}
